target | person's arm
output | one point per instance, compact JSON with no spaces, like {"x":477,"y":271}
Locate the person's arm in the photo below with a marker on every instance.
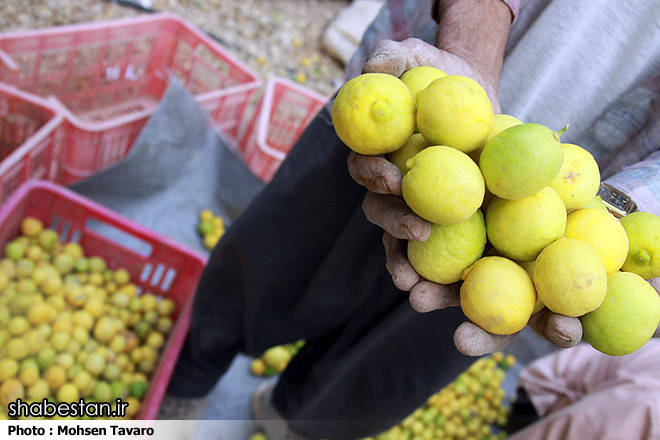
{"x":471,"y":39}
{"x":477,"y":32}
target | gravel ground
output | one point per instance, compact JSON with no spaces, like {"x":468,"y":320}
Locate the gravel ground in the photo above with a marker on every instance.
{"x":275,"y":37}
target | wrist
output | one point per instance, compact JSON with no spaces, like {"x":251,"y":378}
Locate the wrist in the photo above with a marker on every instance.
{"x":476,"y":31}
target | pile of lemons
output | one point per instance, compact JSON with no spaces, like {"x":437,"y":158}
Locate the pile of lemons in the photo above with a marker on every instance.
{"x":211,"y":227}
{"x":472,"y":406}
{"x":71,"y":327}
{"x":275,"y":359}
{"x":514,"y":211}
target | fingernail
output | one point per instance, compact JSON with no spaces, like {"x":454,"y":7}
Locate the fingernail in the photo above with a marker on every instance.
{"x":562,"y":337}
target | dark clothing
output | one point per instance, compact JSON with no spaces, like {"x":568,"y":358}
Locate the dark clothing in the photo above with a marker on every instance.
{"x":303,"y":263}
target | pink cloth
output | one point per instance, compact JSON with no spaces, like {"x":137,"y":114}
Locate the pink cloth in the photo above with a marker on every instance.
{"x":583,"y":394}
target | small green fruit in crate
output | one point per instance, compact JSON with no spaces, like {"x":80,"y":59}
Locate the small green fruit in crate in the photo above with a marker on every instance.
{"x":74,"y":328}
{"x":469,"y":407}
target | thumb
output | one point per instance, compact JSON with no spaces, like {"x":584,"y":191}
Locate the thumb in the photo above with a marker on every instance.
{"x":560,"y":330}
{"x":388,"y":57}
{"x":472,"y":340}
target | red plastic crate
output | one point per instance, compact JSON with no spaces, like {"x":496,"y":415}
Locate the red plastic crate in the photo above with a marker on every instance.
{"x":109,"y":76}
{"x":156,"y":264}
{"x":281,"y":116}
{"x":30,"y":138}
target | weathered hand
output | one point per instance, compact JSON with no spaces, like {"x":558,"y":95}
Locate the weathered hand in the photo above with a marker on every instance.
{"x":394,"y":58}
{"x":383,"y":206}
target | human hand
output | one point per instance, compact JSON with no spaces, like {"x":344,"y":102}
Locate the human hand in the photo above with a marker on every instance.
{"x":394,"y":58}
{"x":383,"y":206}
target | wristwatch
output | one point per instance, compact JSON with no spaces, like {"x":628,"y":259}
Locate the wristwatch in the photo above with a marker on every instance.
{"x":616,"y":201}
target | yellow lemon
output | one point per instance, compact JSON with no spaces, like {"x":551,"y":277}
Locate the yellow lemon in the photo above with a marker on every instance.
{"x":522,"y":160}
{"x":29,"y":375}
{"x":449,"y":250}
{"x":643,"y":229}
{"x":500,"y":123}
{"x":210,"y":241}
{"x":17,"y":348}
{"x":38,"y":391}
{"x":520,"y":229}
{"x":374,"y":113}
{"x":74,"y":250}
{"x":454,"y":111}
{"x":206,"y":214}
{"x":627,"y":318}
{"x":443,"y":185}
{"x":418,"y":78}
{"x":497,"y":295}
{"x":8,"y":369}
{"x":10,"y":391}
{"x":276,"y":357}
{"x":258,"y":367}
{"x":4,"y":280}
{"x":68,"y":393}
{"x":413,"y":145}
{"x":603,"y":232}
{"x":41,"y":313}
{"x":122,"y":277}
{"x":570,"y":277}
{"x":578,"y":178}
{"x":104,"y":329}
{"x":31,"y":227}
{"x":18,"y":325}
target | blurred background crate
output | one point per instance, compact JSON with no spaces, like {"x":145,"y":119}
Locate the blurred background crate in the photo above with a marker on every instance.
{"x":31,"y":132}
{"x":281,"y":116}
{"x":108,"y":77}
{"x":156,"y":264}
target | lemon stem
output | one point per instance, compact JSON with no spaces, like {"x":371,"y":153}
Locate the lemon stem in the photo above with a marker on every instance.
{"x":560,"y":132}
{"x":643,"y":257}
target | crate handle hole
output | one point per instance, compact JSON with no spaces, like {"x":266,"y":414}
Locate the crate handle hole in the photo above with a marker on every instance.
{"x":120,"y":237}
{"x":170,"y":275}
{"x":64,"y":233}
{"x":75,"y":236}
{"x":158,"y":274}
{"x":146,"y":271}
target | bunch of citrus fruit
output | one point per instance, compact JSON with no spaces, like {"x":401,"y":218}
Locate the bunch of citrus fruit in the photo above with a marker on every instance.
{"x":71,"y":327}
{"x":472,"y":406}
{"x":275,"y":359}
{"x":491,"y":181}
{"x":211,"y":227}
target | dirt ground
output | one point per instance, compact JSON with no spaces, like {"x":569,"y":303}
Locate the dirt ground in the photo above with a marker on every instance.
{"x":275,"y":37}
